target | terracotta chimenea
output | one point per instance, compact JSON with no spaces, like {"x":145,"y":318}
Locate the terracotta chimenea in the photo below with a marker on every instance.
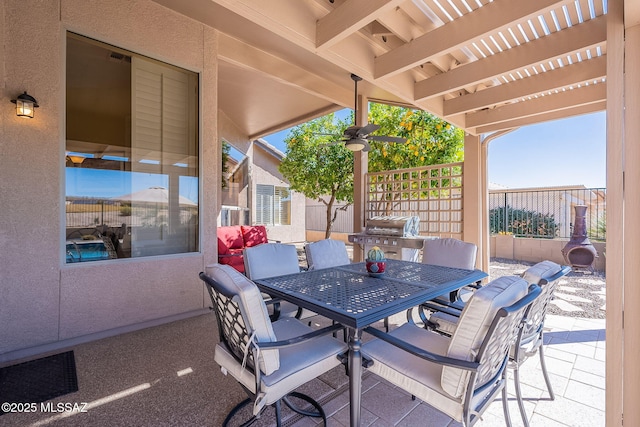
{"x":579,"y":252}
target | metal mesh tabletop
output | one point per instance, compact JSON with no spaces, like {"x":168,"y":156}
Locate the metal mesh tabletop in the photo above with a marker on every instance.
{"x":347,"y":294}
{"x":425,"y":275}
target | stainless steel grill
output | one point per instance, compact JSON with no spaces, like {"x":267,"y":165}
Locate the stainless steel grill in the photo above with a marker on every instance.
{"x":397,"y":236}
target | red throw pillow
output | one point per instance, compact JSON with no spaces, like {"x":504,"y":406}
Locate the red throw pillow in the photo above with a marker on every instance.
{"x":229,"y":237}
{"x":254,"y":235}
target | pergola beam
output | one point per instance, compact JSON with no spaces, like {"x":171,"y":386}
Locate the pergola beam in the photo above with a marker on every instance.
{"x":590,"y":94}
{"x":348,"y":18}
{"x":541,"y":118}
{"x":575,"y":74}
{"x":559,"y":44}
{"x":246,"y":56}
{"x":489,"y":19}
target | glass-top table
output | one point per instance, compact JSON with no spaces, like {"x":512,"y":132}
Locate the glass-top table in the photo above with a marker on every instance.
{"x":348,"y":295}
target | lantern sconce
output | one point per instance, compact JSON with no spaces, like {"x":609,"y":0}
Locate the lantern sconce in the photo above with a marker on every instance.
{"x":25,"y":104}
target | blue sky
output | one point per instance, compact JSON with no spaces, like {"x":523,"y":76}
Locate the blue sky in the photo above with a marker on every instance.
{"x":562,"y":152}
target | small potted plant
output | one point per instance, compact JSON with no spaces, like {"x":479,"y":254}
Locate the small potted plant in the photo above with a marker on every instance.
{"x":376,"y":262}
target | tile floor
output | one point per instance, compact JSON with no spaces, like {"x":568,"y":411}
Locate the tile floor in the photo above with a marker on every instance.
{"x":574,"y":352}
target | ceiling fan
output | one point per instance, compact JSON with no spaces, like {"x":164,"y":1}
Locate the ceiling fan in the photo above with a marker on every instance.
{"x":357,"y":138}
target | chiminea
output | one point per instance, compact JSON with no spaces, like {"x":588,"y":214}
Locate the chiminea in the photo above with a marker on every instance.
{"x":579,"y":252}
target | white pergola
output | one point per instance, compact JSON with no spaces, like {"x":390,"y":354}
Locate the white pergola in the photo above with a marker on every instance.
{"x":485,"y":66}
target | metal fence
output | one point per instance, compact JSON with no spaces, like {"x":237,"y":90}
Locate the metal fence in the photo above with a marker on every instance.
{"x":546,"y":213}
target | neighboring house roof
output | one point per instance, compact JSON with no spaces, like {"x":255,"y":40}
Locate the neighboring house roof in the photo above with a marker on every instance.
{"x":269,"y":149}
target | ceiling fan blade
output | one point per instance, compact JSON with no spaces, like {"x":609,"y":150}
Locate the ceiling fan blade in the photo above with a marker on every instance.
{"x":327,"y":134}
{"x":368,"y":129}
{"x":352,"y":132}
{"x":387,"y":138}
{"x":367,"y":147}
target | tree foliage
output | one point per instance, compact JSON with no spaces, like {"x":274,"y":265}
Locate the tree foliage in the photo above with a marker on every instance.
{"x":226,"y":150}
{"x":318,"y":169}
{"x":324,"y":171}
{"x":430,"y":140}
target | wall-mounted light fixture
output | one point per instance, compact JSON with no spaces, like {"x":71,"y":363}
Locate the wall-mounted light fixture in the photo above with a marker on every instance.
{"x":25,"y":104}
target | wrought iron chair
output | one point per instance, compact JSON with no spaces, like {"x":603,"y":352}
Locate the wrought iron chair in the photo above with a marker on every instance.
{"x":531,"y":338}
{"x":274,"y":259}
{"x":462,"y":374}
{"x":269,"y":359}
{"x":326,"y":253}
{"x":449,"y":252}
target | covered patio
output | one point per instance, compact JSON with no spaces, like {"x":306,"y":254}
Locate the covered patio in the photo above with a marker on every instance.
{"x":487,"y":67}
{"x":166,"y":375}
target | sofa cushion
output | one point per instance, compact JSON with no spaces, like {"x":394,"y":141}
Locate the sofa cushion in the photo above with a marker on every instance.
{"x":229,"y":237}
{"x":254,"y":235}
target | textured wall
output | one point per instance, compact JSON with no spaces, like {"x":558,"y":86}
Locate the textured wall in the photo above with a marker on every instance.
{"x":43,"y":300}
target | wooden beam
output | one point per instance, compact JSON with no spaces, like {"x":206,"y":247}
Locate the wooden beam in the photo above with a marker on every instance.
{"x":543,"y":104}
{"x":578,"y":73}
{"x":246,"y":56}
{"x":561,"y":43}
{"x":541,"y":118}
{"x":294,"y":122}
{"x":348,"y":18}
{"x":489,"y":19}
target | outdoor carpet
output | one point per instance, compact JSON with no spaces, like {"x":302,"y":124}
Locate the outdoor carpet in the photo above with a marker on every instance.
{"x":39,"y":380}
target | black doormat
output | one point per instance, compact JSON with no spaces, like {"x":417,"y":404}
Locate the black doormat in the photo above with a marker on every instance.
{"x":39,"y":380}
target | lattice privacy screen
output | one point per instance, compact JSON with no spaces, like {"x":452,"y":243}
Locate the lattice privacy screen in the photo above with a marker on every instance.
{"x":433,"y":193}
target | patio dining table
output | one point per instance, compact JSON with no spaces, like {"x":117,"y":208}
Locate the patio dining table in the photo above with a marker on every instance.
{"x":351,"y":297}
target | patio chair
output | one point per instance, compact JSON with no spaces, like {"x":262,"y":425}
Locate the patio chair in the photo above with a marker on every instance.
{"x":269,"y":360}
{"x":449,"y":252}
{"x":454,"y":253}
{"x":274,"y":259}
{"x":531,"y":337}
{"x":462,"y":374}
{"x":326,"y":253}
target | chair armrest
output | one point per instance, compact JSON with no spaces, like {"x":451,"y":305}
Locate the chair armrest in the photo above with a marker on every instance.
{"x":421,"y":353}
{"x":300,"y":339}
{"x":275,"y":302}
{"x":450,"y":309}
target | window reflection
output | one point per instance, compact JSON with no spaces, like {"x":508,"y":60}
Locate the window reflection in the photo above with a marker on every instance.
{"x":131,"y":155}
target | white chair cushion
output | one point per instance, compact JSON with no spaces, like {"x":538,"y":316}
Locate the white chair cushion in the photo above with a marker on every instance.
{"x":326,"y":253}
{"x":446,"y":322}
{"x":298,"y":364}
{"x":542,"y":270}
{"x":417,"y":376}
{"x":474,"y":323}
{"x":450,"y":253}
{"x":253,"y":309}
{"x":270,"y":259}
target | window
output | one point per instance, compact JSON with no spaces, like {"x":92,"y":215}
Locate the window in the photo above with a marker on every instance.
{"x":131,"y":154}
{"x":273,"y":205}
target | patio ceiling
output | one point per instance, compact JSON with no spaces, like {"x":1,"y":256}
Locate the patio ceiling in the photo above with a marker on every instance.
{"x":482,"y":65}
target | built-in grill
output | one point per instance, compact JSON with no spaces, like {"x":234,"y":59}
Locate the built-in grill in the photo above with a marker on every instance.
{"x":397,"y":236}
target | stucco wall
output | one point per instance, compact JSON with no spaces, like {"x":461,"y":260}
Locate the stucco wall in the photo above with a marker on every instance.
{"x":536,"y":250}
{"x":265,"y":171}
{"x":43,"y":300}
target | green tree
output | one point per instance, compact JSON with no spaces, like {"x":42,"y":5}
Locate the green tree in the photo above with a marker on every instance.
{"x":430,"y":140}
{"x":317,"y":168}
{"x":324,"y":171}
{"x":226,"y":149}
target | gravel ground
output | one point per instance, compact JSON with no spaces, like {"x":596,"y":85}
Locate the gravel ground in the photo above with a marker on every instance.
{"x":579,"y":294}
